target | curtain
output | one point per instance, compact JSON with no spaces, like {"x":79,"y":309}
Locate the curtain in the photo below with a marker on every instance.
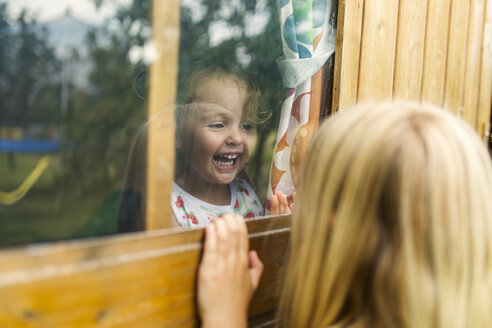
{"x":308,"y":40}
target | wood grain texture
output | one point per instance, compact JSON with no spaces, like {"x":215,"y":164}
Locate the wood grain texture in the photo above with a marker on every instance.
{"x":338,"y":57}
{"x":435,"y":51}
{"x":485,"y":92}
{"x":350,"y":44}
{"x":473,"y":62}
{"x":140,"y":280}
{"x":378,"y":50}
{"x":456,"y":57}
{"x":163,"y":86}
{"x":409,"y":49}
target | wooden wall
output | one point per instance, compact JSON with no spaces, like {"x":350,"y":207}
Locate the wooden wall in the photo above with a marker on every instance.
{"x":144,"y":279}
{"x":437,"y":51}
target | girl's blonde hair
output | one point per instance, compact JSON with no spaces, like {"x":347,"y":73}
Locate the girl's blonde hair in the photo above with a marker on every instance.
{"x":251,"y":111}
{"x":393,"y":223}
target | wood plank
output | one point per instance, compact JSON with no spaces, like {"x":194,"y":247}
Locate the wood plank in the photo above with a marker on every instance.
{"x":377,"y":56}
{"x":349,"y":40}
{"x":473,"y":61}
{"x":485,"y":95}
{"x":409,"y":49}
{"x":456,"y":58}
{"x":163,"y":86}
{"x":338,"y":57}
{"x":140,"y":280}
{"x":435,"y":51}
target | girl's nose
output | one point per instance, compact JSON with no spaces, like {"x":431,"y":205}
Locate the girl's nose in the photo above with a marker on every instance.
{"x":235,"y":137}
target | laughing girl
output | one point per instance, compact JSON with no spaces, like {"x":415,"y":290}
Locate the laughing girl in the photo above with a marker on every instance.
{"x":215,"y":135}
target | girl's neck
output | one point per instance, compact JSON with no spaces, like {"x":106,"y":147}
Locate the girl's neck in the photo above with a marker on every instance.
{"x":216,"y":194}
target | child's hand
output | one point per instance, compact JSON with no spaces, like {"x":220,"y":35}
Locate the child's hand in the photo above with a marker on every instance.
{"x":228,"y":274}
{"x":279,"y":204}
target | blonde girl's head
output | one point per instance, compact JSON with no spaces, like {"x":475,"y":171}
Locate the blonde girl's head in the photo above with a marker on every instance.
{"x":228,"y":88}
{"x":393,"y":223}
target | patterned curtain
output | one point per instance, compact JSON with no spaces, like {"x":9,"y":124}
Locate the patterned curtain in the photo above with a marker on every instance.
{"x":308,"y":40}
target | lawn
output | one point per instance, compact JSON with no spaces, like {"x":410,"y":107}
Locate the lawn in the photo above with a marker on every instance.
{"x":49,"y":211}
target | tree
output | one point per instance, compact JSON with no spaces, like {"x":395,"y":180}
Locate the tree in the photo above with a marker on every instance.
{"x":102,"y":123}
{"x":101,"y":127}
{"x":29,"y":76}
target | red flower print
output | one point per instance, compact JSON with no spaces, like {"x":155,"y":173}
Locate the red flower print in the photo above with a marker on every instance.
{"x":192,"y":218}
{"x":236,"y":205}
{"x":249,"y":215}
{"x":244,"y":190}
{"x":179,"y":202}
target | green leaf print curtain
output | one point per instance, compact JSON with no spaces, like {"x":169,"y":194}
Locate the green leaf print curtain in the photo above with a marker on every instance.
{"x":308,"y":40}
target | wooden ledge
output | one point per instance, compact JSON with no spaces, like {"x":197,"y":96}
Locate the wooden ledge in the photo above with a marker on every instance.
{"x":142,"y":279}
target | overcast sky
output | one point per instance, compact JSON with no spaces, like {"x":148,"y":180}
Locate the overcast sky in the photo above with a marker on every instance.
{"x":49,"y":9}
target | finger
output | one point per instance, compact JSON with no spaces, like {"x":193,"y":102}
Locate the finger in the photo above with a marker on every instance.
{"x":210,"y":245}
{"x":221,"y":233}
{"x":255,"y":269}
{"x":233,"y":230}
{"x":243,"y":237}
{"x":285,"y":205}
{"x":274,"y":205}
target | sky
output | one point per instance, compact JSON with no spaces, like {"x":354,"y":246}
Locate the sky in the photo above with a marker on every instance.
{"x":49,"y":9}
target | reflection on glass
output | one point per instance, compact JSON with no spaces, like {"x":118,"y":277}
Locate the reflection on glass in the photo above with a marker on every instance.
{"x":229,"y":95}
{"x":216,"y":133}
{"x":72,"y":89}
{"x":230,"y":85}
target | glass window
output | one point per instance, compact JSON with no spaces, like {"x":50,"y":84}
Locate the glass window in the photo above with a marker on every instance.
{"x":253,"y":79}
{"x":72,"y":96}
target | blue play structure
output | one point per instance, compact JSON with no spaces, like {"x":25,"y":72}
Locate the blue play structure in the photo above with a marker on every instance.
{"x":28,"y":146}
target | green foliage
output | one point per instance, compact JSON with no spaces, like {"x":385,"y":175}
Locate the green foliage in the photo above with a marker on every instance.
{"x":25,"y":56}
{"x":102,"y":124}
{"x":260,"y":50}
{"x":101,"y":127}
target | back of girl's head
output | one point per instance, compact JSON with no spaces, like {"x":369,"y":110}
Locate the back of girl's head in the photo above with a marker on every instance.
{"x":393,"y":223}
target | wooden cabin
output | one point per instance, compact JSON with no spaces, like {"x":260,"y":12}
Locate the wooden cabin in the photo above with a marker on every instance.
{"x":437,"y":51}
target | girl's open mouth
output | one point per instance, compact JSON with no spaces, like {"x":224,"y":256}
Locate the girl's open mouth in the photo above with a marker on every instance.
{"x":226,"y":161}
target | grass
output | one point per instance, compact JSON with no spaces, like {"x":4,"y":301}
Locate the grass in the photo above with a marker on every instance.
{"x":48,"y":211}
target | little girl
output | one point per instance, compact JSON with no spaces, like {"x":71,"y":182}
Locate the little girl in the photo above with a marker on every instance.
{"x":215,"y":134}
{"x":392,"y":227}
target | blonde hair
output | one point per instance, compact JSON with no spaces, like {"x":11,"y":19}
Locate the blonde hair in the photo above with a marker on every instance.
{"x":251,"y":106}
{"x":393,"y":223}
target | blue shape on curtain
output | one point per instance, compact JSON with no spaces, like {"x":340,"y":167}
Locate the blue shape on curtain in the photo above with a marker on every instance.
{"x":290,"y":33}
{"x":303,"y":52}
{"x":283,"y":3}
{"x":319,"y":11}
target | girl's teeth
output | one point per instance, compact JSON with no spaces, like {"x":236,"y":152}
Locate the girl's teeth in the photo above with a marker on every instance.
{"x":225,"y":163}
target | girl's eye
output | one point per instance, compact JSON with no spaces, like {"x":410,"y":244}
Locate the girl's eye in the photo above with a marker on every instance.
{"x":247,"y":126}
{"x":216,"y":125}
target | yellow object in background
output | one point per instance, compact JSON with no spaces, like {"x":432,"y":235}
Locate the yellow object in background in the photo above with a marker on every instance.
{"x":9,"y":198}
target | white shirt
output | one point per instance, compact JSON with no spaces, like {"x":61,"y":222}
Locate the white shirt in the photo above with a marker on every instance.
{"x":191,"y":212}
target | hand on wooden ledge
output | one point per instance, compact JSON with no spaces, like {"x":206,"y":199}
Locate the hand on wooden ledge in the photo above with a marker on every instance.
{"x":228,"y":274}
{"x":280,"y":204}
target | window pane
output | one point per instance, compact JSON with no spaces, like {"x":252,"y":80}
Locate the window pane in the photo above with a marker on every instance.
{"x":229,"y":96}
{"x":72,"y":97}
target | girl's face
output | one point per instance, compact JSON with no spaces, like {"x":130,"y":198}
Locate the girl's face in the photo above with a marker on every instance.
{"x":221,"y":141}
